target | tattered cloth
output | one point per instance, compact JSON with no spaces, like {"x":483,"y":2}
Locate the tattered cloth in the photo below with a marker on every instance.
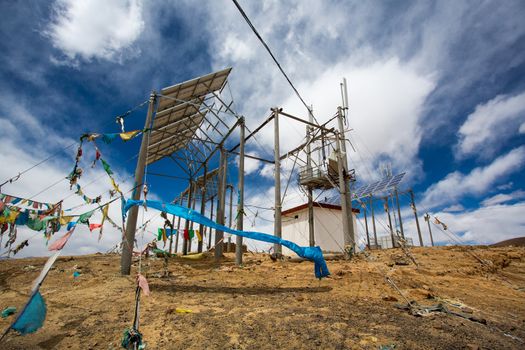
{"x":311,"y":253}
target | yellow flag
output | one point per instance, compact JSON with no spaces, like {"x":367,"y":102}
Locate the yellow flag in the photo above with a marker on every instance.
{"x":199,"y":237}
{"x":64,"y":220}
{"x":126,"y":136}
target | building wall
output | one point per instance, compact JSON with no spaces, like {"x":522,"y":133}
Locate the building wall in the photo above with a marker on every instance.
{"x":328,"y":228}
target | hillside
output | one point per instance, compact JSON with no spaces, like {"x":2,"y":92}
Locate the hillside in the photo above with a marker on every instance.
{"x":516,"y":242}
{"x":280,"y":305}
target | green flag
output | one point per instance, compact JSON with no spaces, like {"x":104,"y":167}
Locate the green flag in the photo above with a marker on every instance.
{"x":106,"y":167}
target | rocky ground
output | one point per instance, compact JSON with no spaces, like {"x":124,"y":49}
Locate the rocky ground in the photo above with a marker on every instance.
{"x":276,"y":305}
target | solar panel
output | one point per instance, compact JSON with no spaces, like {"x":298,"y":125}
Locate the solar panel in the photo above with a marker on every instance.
{"x":395,"y":180}
{"x":180,"y":115}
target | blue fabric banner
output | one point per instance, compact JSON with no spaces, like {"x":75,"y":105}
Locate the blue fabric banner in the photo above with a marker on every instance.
{"x":311,"y":253}
{"x":33,"y":315}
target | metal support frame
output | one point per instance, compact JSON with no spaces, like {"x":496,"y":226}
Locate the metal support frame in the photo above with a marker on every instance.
{"x":277,"y":228}
{"x":203,"y":208}
{"x":219,"y":235}
{"x":129,"y":239}
{"x":240,"y":199}
{"x":373,"y":221}
{"x":187,"y":222}
{"x":366,"y":225}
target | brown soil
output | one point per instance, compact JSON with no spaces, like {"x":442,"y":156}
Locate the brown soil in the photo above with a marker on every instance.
{"x":280,"y":305}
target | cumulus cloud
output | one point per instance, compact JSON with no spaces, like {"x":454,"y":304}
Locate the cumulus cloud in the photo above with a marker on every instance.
{"x":491,"y":124}
{"x":454,"y":208}
{"x":456,"y":184}
{"x":95,"y":29}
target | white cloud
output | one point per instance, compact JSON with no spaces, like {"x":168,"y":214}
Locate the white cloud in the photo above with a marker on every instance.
{"x":456,"y":185}
{"x":503,"y":197}
{"x":95,"y":28}
{"x":521,"y":130}
{"x":454,"y":208}
{"x":491,"y":125}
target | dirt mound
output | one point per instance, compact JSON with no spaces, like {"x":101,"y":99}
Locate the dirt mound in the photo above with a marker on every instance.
{"x":515,"y":242}
{"x":280,"y":305}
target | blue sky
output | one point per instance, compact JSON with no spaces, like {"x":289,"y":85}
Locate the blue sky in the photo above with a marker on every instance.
{"x":436,"y":89}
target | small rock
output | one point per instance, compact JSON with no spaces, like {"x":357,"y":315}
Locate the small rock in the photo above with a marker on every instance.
{"x":467,"y":310}
{"x":389,"y":298}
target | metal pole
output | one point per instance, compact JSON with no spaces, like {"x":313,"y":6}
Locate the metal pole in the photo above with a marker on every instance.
{"x":240,"y":200}
{"x":194,"y":186}
{"x":187,"y":222}
{"x":178,"y":228}
{"x":219,"y":235}
{"x":228,"y":248}
{"x":427,"y":219}
{"x":203,"y":208}
{"x":346,"y":215}
{"x":311,"y":227}
{"x":390,"y":222}
{"x":399,"y":215}
{"x":348,"y":194}
{"x":131,"y":225}
{"x":373,"y":221}
{"x":211,"y":218}
{"x":413,"y":205}
{"x":363,"y":205}
{"x":171,"y":236}
{"x":277,"y":228}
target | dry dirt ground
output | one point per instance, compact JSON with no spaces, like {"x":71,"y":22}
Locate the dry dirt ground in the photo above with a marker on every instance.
{"x":280,"y":305}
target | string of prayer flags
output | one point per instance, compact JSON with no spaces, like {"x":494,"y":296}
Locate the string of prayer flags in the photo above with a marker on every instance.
{"x":311,"y":253}
{"x":21,"y":246}
{"x":110,"y":137}
{"x":6,"y":199}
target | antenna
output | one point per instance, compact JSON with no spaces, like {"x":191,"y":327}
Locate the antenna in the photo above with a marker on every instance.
{"x":345,"y":103}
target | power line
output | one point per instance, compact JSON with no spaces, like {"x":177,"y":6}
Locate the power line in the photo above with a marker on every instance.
{"x":272,"y":55}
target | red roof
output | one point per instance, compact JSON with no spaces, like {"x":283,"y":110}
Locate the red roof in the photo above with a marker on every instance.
{"x":319,"y":205}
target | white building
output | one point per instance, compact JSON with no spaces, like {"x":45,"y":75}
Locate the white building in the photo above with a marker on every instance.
{"x":328,"y":227}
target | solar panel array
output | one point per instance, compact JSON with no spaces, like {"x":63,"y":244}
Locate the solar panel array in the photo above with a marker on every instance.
{"x":375,"y":187}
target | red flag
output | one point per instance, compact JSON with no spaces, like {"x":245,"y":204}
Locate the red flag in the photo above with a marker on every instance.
{"x":61,"y":242}
{"x":94,"y":226}
{"x":186,"y":235}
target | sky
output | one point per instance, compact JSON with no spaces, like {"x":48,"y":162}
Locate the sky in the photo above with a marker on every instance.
{"x":436,"y":90}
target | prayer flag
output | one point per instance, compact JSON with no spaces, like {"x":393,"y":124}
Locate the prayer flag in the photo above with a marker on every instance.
{"x":61,"y":242}
{"x":199,"y":237}
{"x":192,"y":233}
{"x":126,"y":136}
{"x":106,"y":167}
{"x":32,"y":317}
{"x":143,"y":284}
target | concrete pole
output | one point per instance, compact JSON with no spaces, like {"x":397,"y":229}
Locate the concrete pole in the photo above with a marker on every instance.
{"x":178,"y":228}
{"x":311,"y":226}
{"x":219,"y":235}
{"x":366,"y":226}
{"x":427,"y":218}
{"x":203,"y":208}
{"x":131,"y":225}
{"x":399,"y":215}
{"x":390,"y":222}
{"x":346,"y":212}
{"x":186,"y":222}
{"x":240,"y":200}
{"x":373,"y":220}
{"x":413,"y":202}
{"x":277,"y":228}
{"x":348,"y":194}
